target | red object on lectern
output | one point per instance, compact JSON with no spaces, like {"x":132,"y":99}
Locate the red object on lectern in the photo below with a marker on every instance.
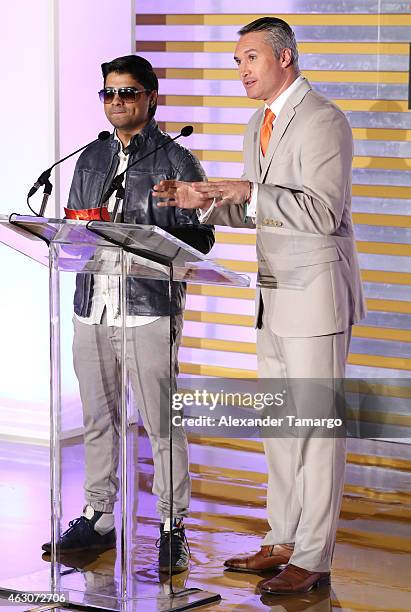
{"x":88,"y":214}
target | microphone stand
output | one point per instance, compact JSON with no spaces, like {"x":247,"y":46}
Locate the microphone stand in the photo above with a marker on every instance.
{"x":44,"y":178}
{"x":48,"y":188}
{"x":120,"y":193}
{"x":117,"y":182}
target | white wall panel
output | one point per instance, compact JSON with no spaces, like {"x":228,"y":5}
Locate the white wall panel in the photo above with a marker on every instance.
{"x":52,"y":51}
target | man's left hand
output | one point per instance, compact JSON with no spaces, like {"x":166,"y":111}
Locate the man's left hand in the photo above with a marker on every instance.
{"x":179,"y":193}
{"x":224,"y":192}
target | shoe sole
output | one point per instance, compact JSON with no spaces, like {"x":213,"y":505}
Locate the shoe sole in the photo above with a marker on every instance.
{"x":316,"y":585}
{"x":62,"y":551}
{"x":174,"y":570}
{"x":246,"y":570}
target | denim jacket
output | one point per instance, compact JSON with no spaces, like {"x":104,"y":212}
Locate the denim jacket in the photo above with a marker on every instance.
{"x":95,"y":169}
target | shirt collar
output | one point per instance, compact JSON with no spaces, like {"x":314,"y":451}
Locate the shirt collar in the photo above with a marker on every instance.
{"x":119,"y":141}
{"x":279,"y":102}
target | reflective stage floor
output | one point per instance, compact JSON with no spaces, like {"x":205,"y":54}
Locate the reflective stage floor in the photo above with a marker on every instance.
{"x":372,"y":562}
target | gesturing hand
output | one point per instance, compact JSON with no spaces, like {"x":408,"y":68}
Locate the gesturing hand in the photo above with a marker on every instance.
{"x":181,"y":194}
{"x":224,"y":192}
{"x":201,"y":194}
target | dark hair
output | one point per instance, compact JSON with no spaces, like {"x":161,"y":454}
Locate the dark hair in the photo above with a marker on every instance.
{"x":279,"y":35}
{"x":141,"y":70}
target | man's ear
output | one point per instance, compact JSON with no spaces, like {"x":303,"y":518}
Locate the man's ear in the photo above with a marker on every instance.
{"x":286,"y":58}
{"x":153,"y":98}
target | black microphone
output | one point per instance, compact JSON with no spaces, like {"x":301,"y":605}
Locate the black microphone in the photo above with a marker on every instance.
{"x":117,"y":182}
{"x":187,"y":130}
{"x":44,"y":176}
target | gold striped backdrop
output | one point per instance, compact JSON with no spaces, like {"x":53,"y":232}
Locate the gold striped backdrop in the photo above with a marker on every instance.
{"x":359,"y":58}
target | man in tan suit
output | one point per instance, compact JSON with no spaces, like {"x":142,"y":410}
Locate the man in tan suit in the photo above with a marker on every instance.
{"x":297,"y":193}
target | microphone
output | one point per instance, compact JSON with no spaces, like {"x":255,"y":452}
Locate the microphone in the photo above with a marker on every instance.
{"x":117,"y":182}
{"x":43,"y":179}
{"x":187,"y":130}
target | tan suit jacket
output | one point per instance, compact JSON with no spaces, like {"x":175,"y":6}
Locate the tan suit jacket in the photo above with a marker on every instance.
{"x":308,"y":273}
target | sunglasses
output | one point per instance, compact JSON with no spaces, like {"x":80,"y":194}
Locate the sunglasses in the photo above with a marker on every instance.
{"x":126,"y":94}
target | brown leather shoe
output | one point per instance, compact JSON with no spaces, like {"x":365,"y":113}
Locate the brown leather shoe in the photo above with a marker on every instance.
{"x":294,"y":579}
{"x":319,"y":599}
{"x":267,"y":558}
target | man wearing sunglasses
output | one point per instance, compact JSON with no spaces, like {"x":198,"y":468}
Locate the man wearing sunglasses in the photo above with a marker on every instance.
{"x":129,"y":97}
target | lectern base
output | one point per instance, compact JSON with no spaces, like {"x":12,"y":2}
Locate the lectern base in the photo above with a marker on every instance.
{"x":89,"y":590}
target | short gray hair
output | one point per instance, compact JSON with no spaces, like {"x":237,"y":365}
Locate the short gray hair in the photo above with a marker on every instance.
{"x":279,"y":35}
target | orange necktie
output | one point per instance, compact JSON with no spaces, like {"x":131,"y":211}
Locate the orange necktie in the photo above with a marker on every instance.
{"x":266,"y":129}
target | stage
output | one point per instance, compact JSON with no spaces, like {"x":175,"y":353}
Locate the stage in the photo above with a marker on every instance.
{"x":372,"y":560}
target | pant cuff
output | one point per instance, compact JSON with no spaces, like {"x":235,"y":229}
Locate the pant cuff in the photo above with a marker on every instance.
{"x":271,"y":540}
{"x":101,"y":506}
{"x":310,"y":566}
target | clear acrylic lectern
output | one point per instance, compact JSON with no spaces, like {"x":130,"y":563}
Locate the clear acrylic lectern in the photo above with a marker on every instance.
{"x":115,"y":250}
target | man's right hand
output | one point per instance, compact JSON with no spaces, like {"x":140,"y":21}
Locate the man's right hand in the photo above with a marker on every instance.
{"x":181,"y":194}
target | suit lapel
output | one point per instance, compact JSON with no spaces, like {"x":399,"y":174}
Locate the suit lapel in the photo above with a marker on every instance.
{"x":256,"y":145}
{"x":256,"y":149}
{"x":280,"y":125}
{"x":279,"y":128}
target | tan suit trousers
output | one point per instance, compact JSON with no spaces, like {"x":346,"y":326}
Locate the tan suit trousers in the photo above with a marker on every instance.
{"x":305,"y":475}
